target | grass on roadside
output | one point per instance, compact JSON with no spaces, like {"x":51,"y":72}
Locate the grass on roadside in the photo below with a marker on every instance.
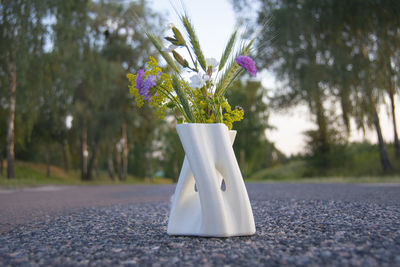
{"x":351,"y":163}
{"x":294,"y":172}
{"x":332,"y":180}
{"x":30,"y":174}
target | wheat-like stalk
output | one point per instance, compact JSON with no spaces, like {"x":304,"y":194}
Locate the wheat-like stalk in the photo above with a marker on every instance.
{"x":181,"y":95}
{"x":232,"y":71}
{"x":226,"y":77}
{"x":227,"y":50}
{"x":160,"y":48}
{"x":194,"y":41}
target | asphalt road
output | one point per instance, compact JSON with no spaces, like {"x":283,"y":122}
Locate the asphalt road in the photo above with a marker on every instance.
{"x":24,"y":205}
{"x":297,"y":224}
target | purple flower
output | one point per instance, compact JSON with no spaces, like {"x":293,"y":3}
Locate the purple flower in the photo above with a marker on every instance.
{"x":149,"y":83}
{"x":248,"y":64}
{"x":139,"y":79}
{"x":144,"y":85}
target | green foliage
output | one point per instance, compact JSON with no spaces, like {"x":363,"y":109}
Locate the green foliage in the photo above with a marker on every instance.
{"x":22,"y":39}
{"x":252,"y":148}
{"x":34,"y":174}
{"x":293,"y":170}
{"x":82,"y":73}
{"x":332,"y":52}
{"x":173,"y":153}
{"x":358,"y":159}
{"x":355,"y":162}
{"x":325,"y":52}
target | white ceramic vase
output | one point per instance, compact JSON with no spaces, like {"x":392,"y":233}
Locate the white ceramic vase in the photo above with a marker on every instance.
{"x":210,"y":198}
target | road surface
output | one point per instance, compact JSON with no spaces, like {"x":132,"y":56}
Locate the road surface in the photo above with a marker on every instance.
{"x":297,"y":224}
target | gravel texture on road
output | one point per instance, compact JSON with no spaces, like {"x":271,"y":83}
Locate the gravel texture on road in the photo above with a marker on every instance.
{"x":19,"y":206}
{"x":295,"y":230}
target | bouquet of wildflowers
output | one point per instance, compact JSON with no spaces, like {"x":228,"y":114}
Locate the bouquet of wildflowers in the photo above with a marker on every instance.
{"x":199,"y":99}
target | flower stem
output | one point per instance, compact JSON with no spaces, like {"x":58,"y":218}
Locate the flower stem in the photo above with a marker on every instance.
{"x":190,"y":54}
{"x":173,"y":99}
{"x":194,"y":101}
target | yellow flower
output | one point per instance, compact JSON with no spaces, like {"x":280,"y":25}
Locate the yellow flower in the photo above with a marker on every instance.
{"x":152,"y":67}
{"x":231,"y":116}
{"x":225,"y":105}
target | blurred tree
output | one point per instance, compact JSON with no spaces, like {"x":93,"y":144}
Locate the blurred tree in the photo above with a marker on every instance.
{"x":3,"y":116}
{"x":44,"y":135}
{"x":126,"y":47}
{"x":251,"y":145}
{"x":330,"y":52}
{"x":71,"y":43}
{"x":90,"y":108}
{"x":388,"y":40}
{"x":173,"y":153}
{"x":361,"y":31}
{"x":297,"y":58}
{"x":22,"y":38}
{"x":144,"y":137}
{"x":104,"y":43}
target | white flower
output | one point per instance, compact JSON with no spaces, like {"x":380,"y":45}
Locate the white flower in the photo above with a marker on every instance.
{"x":206,"y":77}
{"x":171,"y":25}
{"x":169,"y":48}
{"x":196,"y":81}
{"x":212,"y":62}
{"x":172,"y":47}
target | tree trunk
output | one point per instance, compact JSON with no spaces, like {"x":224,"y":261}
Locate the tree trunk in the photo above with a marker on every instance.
{"x":150,"y":162}
{"x":118,"y":159}
{"x":84,"y":154}
{"x":323,"y":139}
{"x":110,"y":166}
{"x":382,"y":149}
{"x":396,"y":138}
{"x":95,"y":166}
{"x":242,"y":162}
{"x":66,"y":154}
{"x":393,"y":110}
{"x":390,"y":73}
{"x":46,"y":155}
{"x":176,"y":171}
{"x":93,"y":158}
{"x":12,"y":84}
{"x":1,"y":163}
{"x":124,"y":152}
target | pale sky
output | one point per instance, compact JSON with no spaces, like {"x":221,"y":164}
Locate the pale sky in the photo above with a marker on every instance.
{"x":214,"y":21}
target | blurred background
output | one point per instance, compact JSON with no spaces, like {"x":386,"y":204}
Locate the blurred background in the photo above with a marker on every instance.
{"x":323,"y":106}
